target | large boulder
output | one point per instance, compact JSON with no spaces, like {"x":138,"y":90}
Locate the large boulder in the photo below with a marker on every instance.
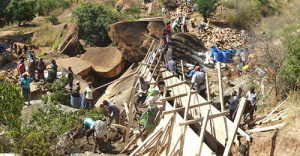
{"x":79,"y":67}
{"x":106,"y":61}
{"x":70,"y":44}
{"x":130,"y":38}
{"x":156,"y":29}
{"x":170,"y":4}
{"x":125,"y":5}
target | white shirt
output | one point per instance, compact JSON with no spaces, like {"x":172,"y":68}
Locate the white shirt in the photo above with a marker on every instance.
{"x":150,"y":101}
{"x":184,"y":20}
{"x":243,"y":56}
{"x":198,"y":78}
{"x":89,"y":93}
{"x":100,"y":129}
{"x":252,"y":97}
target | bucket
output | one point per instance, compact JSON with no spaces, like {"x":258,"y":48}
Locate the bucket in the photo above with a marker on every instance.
{"x":232,"y":53}
{"x":75,"y":100}
{"x":213,"y":49}
{"x":88,"y":121}
{"x":225,"y":56}
{"x":217,"y":56}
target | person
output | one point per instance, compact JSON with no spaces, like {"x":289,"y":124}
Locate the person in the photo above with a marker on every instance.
{"x":239,"y":68}
{"x":194,"y":70}
{"x":184,"y":24}
{"x":29,"y":53}
{"x":31,"y":67}
{"x":175,"y":25}
{"x":169,"y":33}
{"x":54,"y":67}
{"x":15,"y":47}
{"x":70,"y":78}
{"x":99,"y":128}
{"x":154,"y":57}
{"x":148,"y":116}
{"x":20,"y":50}
{"x":77,"y":90}
{"x":142,"y":92}
{"x":233,"y":104}
{"x":192,"y":22}
{"x":87,"y":123}
{"x":25,"y":48}
{"x":198,"y":80}
{"x":33,"y":54}
{"x":172,"y":65}
{"x":25,"y":85}
{"x":243,"y":35}
{"x":253,"y":98}
{"x":245,"y":69}
{"x":41,"y":69}
{"x":243,"y":57}
{"x":111,"y":107}
{"x":201,"y":27}
{"x":21,"y":68}
{"x":89,"y":96}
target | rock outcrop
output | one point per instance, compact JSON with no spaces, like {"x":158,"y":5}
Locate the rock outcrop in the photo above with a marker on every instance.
{"x":107,"y":62}
{"x":70,"y":44}
{"x":79,"y":67}
{"x":130,"y":37}
{"x":125,"y":5}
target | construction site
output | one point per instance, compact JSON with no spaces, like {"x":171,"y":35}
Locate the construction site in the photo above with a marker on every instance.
{"x":248,"y":107}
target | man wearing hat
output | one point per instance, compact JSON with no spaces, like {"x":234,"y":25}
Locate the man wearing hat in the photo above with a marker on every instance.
{"x":172,"y":65}
{"x":89,"y":96}
{"x":99,"y":129}
{"x":198,"y":80}
{"x":25,"y":84}
{"x":111,"y":107}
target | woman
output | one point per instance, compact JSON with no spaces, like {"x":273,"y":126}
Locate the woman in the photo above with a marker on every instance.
{"x":54,"y":67}
{"x":41,"y":68}
{"x":31,"y":67}
{"x":148,"y":117}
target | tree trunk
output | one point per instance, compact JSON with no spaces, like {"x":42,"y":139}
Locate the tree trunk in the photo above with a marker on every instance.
{"x":205,"y":17}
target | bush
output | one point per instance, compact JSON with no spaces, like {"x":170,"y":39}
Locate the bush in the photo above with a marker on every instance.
{"x":94,"y":20}
{"x":245,"y":13}
{"x":53,"y":19}
{"x":20,"y":12}
{"x":45,"y":7}
{"x":56,"y":44}
{"x":40,"y":54}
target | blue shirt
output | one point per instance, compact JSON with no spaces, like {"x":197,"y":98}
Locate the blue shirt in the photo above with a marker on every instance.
{"x":234,"y":102}
{"x":172,"y":66}
{"x":26,"y":83}
{"x":193,"y":72}
{"x":113,"y":108}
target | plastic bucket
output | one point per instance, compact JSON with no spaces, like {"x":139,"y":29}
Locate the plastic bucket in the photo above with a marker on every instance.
{"x":213,"y":49}
{"x":225,"y":56}
{"x":232,"y":53}
{"x":75,"y":100}
{"x":88,"y":121}
{"x":217,"y":56}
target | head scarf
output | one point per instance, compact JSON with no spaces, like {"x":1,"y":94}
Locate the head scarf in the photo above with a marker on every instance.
{"x":152,"y":92}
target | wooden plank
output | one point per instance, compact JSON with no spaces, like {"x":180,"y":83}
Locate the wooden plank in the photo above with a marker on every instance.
{"x":134,"y":140}
{"x":174,"y":146}
{"x":236,"y":124}
{"x":221,"y":86}
{"x":203,"y":129}
{"x":149,"y":138}
{"x":177,"y":84}
{"x":183,"y":108}
{"x":172,"y":126}
{"x":183,"y":75}
{"x":207,"y":87}
{"x":126,"y":108}
{"x":266,"y":128}
{"x":173,"y":97}
{"x":186,"y":115}
{"x":165,"y":78}
{"x":157,"y":64}
{"x":130,"y":117}
{"x":118,"y":126}
{"x":194,"y":121}
{"x":277,"y":108}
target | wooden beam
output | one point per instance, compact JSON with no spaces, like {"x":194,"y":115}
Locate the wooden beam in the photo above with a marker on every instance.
{"x":203,"y":129}
{"x":144,"y":64}
{"x":207,"y":87}
{"x":126,"y":108}
{"x":174,"y":146}
{"x":194,"y":121}
{"x":221,"y":86}
{"x":118,"y":126}
{"x":149,"y":138}
{"x":177,"y":84}
{"x":236,"y":124}
{"x":130,"y":117}
{"x":183,"y":108}
{"x":277,"y":108}
{"x":172,"y":126}
{"x":157,"y":64}
{"x":134,"y":140}
{"x":166,"y":78}
{"x":266,"y":128}
{"x":173,"y":97}
{"x":186,"y":115}
{"x":183,"y":75}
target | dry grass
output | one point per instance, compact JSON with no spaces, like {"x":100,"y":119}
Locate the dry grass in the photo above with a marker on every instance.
{"x":45,"y":36}
{"x":294,"y":105}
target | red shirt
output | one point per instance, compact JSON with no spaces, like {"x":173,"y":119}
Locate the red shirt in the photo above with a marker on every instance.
{"x":21,"y":68}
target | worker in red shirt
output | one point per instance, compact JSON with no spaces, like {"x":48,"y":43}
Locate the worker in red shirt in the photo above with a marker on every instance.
{"x":21,"y":68}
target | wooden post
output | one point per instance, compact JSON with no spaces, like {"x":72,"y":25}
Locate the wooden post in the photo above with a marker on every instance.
{"x":221,"y":86}
{"x":130,"y":118}
{"x":203,"y":129}
{"x":183,"y":75}
{"x":155,"y":67}
{"x":207,"y":87}
{"x":235,"y":126}
{"x":186,"y":114}
{"x":172,"y":126}
{"x":174,"y":146}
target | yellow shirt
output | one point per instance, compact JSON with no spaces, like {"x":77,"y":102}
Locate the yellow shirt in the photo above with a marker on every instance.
{"x":246,"y":67}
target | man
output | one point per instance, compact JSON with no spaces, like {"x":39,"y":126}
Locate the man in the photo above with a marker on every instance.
{"x":239,"y":68}
{"x":154,"y":57}
{"x":25,"y":84}
{"x":194,"y":70}
{"x":70,"y":78}
{"x":89,"y":96}
{"x":142,"y":92}
{"x":21,"y":68}
{"x":31,"y":67}
{"x":243,"y":57}
{"x":233,"y":104}
{"x":111,"y":107}
{"x":87,"y":123}
{"x":192,"y":22}
{"x":243,"y":35}
{"x":253,"y":98}
{"x":175,"y":25}
{"x":99,"y":128}
{"x":41,"y":69}
{"x":184,"y":24}
{"x":198,"y":80}
{"x":172,"y":65}
{"x":201,"y":27}
{"x":77,"y":90}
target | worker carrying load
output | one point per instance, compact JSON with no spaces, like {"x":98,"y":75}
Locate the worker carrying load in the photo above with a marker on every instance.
{"x":175,"y":25}
{"x":148,"y":117}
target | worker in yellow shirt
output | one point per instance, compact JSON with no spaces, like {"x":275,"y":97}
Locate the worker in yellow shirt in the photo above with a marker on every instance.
{"x":245,"y":69}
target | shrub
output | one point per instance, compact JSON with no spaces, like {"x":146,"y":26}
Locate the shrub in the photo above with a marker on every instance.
{"x":40,"y":54}
{"x":20,"y":12}
{"x":205,"y":7}
{"x":53,"y":19}
{"x":45,"y":7}
{"x":56,"y":44}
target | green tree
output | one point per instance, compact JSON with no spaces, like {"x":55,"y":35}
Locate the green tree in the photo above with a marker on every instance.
{"x":45,"y":7}
{"x":22,"y":11}
{"x":205,"y":7}
{"x":94,"y":20}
